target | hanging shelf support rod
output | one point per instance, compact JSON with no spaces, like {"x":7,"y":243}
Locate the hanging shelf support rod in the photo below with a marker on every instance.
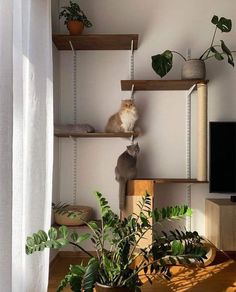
{"x":132,"y":92}
{"x":191,"y":89}
{"x":132,"y":67}
{"x":188,"y":150}
{"x":132,"y":60}
{"x":72,"y":47}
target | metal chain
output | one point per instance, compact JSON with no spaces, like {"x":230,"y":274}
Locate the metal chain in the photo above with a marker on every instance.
{"x":132,"y":65}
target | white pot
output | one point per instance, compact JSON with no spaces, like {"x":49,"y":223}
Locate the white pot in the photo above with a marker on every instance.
{"x":194,"y":69}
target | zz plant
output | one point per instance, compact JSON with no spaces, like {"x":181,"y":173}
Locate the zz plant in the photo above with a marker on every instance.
{"x":120,"y":260}
{"x":162,"y":63}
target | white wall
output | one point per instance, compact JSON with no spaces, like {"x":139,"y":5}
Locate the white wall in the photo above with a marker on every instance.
{"x":161,"y":25}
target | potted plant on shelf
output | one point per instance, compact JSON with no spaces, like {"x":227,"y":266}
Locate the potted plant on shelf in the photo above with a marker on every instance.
{"x":195,"y":68}
{"x":75,"y":19}
{"x":121,"y":263}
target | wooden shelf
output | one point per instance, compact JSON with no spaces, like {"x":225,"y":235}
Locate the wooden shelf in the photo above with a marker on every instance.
{"x":171,"y":180}
{"x":96,"y":41}
{"x":139,"y":186}
{"x":82,"y":228}
{"x":96,"y":135}
{"x":159,"y":84}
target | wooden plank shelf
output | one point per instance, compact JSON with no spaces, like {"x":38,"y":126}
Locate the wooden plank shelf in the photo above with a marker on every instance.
{"x":139,"y":186}
{"x":82,"y":228}
{"x":96,"y":135}
{"x":146,"y":85}
{"x":96,"y":41}
{"x":171,"y":180}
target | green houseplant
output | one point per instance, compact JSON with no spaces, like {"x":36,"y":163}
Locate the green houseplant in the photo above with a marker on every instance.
{"x":120,"y":262}
{"x":75,"y":19}
{"x":162,"y":63}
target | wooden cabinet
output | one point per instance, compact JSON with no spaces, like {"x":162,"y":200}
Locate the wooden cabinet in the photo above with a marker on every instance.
{"x":221,"y":223}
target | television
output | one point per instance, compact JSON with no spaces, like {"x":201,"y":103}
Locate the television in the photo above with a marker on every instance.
{"x":223,"y":157}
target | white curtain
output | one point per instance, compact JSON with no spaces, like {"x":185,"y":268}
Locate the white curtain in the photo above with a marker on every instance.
{"x":26,"y":140}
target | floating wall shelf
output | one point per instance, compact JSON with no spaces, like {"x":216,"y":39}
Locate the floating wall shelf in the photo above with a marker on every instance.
{"x":159,"y":84}
{"x":96,"y":42}
{"x":81,"y":228}
{"x":170,"y":180}
{"x":97,"y":135}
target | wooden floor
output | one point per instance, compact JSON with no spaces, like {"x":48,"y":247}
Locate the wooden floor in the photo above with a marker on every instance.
{"x":218,"y":277}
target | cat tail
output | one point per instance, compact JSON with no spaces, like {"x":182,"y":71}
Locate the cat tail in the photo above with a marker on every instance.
{"x":122,"y":193}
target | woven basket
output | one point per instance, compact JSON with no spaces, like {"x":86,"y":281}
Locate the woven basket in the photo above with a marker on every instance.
{"x":84,"y":215}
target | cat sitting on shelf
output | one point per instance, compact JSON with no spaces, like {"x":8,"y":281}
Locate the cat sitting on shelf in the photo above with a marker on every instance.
{"x":125,"y":170}
{"x":124,"y":120}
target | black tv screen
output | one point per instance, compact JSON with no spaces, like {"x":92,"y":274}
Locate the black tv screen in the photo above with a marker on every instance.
{"x":223,"y":157}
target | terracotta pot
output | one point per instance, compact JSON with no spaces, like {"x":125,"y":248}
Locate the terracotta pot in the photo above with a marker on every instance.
{"x":85,"y":214}
{"x":104,"y":288}
{"x":194,"y":69}
{"x":75,"y":27}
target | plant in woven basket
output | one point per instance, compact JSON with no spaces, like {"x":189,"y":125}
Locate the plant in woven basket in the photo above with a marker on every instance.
{"x":62,"y":209}
{"x":162,"y":63}
{"x":120,"y":260}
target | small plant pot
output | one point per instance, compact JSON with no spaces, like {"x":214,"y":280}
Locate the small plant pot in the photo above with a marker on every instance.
{"x":84,"y":215}
{"x":75,"y":27}
{"x":104,"y":288}
{"x":194,"y":69}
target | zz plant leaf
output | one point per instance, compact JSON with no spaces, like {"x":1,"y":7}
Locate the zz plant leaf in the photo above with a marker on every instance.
{"x":90,"y":275}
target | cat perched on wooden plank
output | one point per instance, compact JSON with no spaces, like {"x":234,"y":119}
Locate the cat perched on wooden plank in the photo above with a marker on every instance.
{"x":124,"y":120}
{"x":125,"y":170}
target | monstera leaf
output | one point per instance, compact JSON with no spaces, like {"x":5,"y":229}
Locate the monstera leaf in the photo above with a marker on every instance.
{"x":227,"y":51}
{"x":162,"y":63}
{"x":223,"y":23}
{"x":217,"y":54}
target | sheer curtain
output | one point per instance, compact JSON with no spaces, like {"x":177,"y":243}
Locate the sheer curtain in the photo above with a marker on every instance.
{"x":26,"y":140}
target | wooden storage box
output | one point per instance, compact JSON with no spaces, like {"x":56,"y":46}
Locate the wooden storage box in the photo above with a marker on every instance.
{"x":221,"y":223}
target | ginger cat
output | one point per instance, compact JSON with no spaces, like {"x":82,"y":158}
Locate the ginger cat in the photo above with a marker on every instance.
{"x":124,"y":120}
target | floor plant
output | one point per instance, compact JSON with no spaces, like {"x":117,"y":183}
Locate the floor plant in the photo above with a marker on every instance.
{"x":120,"y":261}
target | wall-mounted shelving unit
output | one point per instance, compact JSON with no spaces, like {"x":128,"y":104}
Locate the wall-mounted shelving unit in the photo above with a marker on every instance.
{"x":91,"y":42}
{"x":138,"y":187}
{"x":96,"y":42}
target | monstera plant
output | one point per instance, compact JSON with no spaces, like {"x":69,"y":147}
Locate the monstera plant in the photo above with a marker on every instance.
{"x":162,"y":63}
{"x":120,"y":259}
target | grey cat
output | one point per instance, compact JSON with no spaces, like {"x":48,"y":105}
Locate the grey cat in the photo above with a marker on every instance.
{"x":125,"y":170}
